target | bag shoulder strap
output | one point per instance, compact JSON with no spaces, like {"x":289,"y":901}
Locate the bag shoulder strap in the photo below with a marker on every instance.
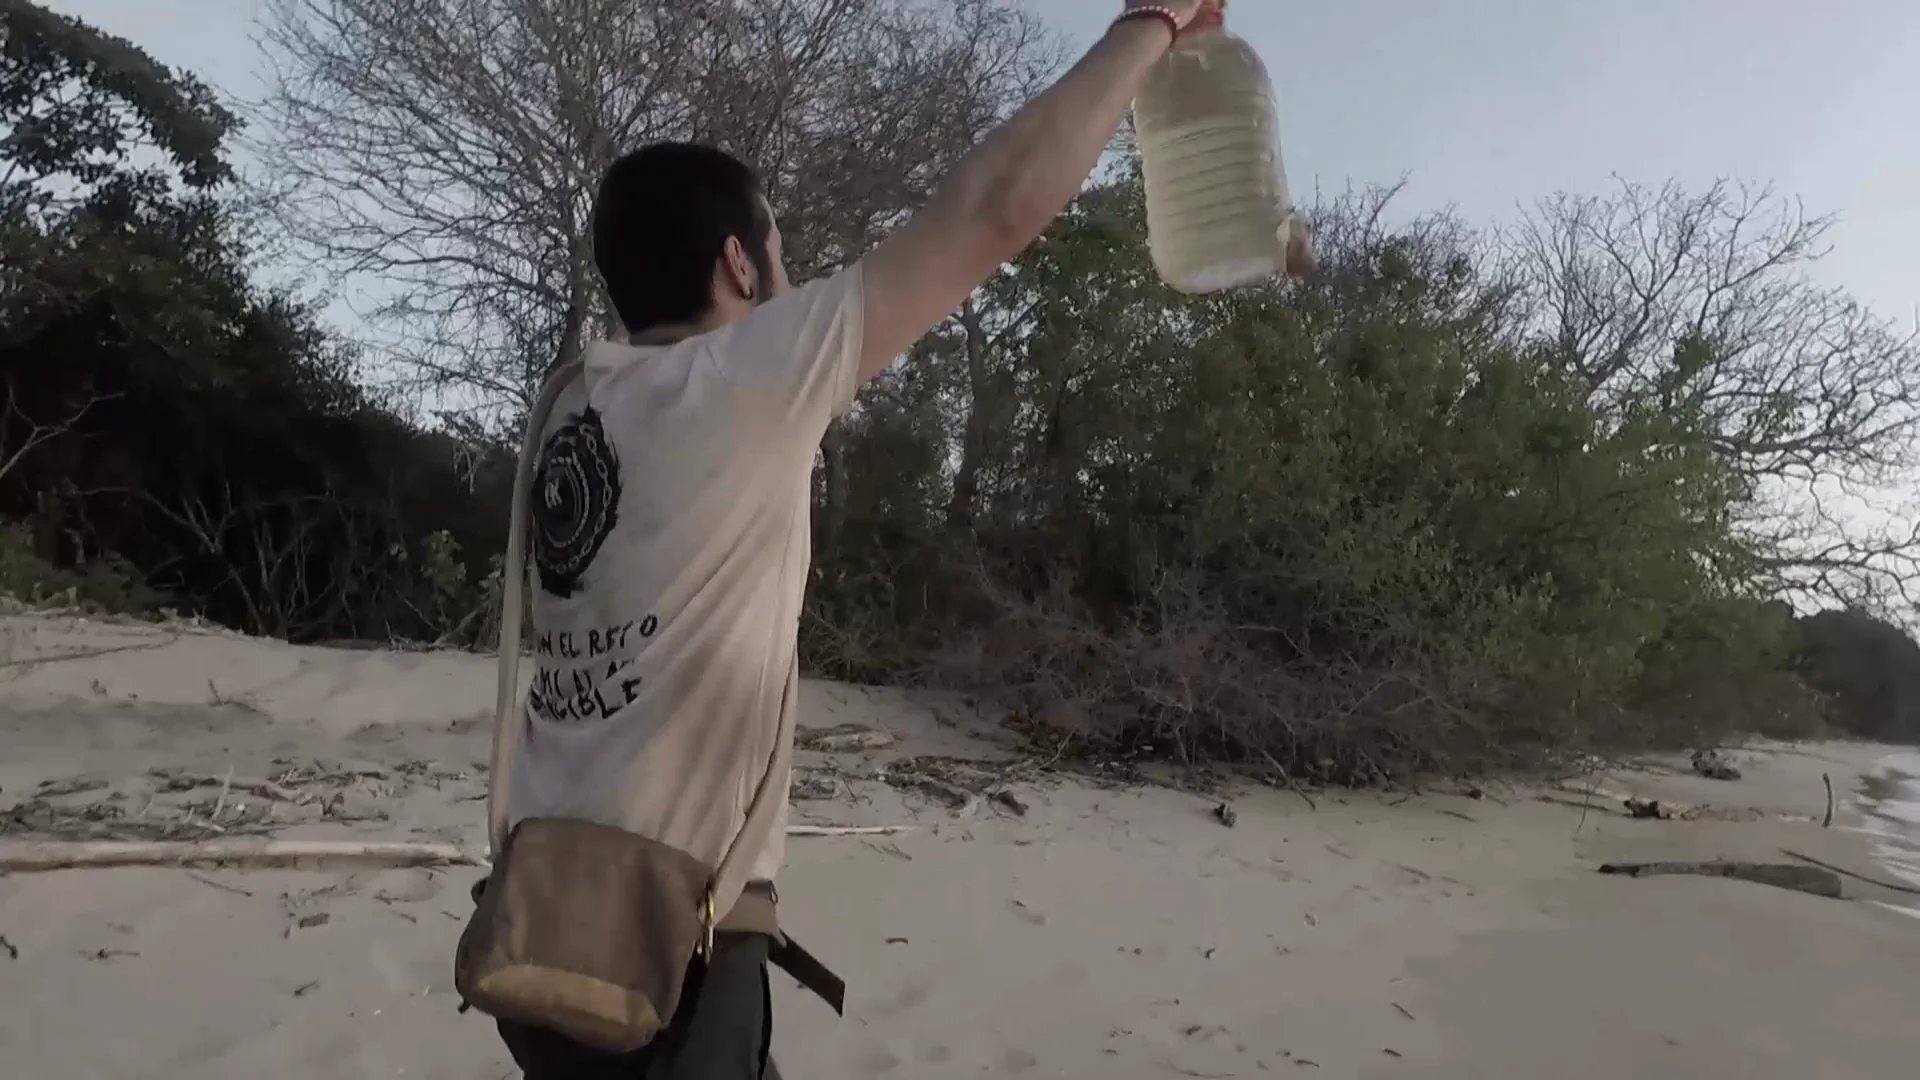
{"x":509,"y":705}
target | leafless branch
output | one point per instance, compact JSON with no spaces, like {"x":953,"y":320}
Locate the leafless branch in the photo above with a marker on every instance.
{"x":21,"y":435}
{"x":1698,"y":306}
{"x":444,"y":153}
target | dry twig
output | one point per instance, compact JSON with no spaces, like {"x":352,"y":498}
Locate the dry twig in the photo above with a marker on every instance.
{"x":222,"y":886}
{"x":848,"y":830}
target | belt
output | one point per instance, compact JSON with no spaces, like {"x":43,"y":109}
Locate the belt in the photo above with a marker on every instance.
{"x":757,"y":912}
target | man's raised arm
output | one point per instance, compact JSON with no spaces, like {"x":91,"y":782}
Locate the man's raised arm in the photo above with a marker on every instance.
{"x":1006,"y":191}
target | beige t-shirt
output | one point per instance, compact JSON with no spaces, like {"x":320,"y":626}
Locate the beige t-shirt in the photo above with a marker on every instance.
{"x":670,"y":558}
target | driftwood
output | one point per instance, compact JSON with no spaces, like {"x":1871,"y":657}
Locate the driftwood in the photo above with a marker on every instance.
{"x":1650,"y":809}
{"x":844,"y":739}
{"x":1818,"y":881}
{"x":241,"y":853}
{"x":1714,"y":765}
{"x":252,"y":853}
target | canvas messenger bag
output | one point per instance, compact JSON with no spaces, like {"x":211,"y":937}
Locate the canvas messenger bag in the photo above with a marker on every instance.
{"x":587,"y":929}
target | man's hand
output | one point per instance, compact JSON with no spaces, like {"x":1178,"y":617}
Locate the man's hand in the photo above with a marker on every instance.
{"x":1183,"y":10}
{"x":1300,"y":258}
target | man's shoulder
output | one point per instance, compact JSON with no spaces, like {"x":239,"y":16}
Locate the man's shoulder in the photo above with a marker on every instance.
{"x":609,"y":359}
{"x":802,"y":317}
{"x":618,"y":375}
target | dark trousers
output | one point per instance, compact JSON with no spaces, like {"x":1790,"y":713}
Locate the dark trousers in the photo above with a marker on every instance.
{"x":723,"y":1031}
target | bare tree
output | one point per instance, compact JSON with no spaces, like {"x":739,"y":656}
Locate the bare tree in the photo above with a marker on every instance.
{"x":1699,"y":305}
{"x":445,"y":152}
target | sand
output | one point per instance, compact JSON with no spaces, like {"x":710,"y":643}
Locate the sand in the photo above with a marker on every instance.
{"x":1106,"y":932}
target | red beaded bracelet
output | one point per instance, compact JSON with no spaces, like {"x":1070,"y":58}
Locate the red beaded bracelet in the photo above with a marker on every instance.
{"x":1153,"y":11}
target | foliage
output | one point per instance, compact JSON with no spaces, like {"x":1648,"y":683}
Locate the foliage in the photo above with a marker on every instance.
{"x":1376,"y":523}
{"x":162,"y":413}
{"x":72,"y":99}
{"x":28,"y":577}
{"x":1868,"y":668}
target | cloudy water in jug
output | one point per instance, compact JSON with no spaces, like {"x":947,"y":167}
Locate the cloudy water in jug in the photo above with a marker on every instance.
{"x":1217,"y":205}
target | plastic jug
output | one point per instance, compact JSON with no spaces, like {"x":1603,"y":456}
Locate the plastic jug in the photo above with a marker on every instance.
{"x":1218,"y":214}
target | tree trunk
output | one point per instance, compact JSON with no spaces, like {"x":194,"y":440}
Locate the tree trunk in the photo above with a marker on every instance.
{"x":833,"y":492}
{"x":973,"y":445}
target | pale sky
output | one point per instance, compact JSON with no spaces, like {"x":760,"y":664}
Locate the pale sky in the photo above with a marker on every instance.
{"x":1485,"y":104}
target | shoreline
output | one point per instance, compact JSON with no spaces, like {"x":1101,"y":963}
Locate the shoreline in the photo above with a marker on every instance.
{"x":1073,"y":930}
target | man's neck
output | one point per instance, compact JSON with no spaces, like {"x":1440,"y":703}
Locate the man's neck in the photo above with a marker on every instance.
{"x":655,"y":336}
{"x":662,"y":335}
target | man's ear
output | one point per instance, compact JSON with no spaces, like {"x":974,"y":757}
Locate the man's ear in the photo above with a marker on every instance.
{"x":739,"y":268}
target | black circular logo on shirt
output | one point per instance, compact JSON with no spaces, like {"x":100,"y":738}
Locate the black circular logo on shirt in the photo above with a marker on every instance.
{"x":576,"y":497}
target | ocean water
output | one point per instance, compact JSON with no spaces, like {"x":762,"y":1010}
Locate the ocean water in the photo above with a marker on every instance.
{"x":1889,"y":803}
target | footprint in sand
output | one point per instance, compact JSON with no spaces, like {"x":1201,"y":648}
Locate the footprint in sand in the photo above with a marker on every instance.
{"x":912,"y":995}
{"x":431,"y":975}
{"x":1071,"y":973}
{"x":1016,"y":1060}
{"x":874,"y":1059}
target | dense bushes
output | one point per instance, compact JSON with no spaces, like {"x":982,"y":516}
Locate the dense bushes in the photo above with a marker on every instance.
{"x":1868,"y":670}
{"x":161,"y":414}
{"x":1362,"y":526}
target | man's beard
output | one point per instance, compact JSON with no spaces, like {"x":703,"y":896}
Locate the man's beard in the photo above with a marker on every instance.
{"x":762,"y":280}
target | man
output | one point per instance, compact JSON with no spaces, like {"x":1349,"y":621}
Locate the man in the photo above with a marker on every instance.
{"x":671,"y":506}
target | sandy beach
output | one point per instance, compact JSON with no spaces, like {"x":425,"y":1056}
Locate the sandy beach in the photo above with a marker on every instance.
{"x":1068,"y":928}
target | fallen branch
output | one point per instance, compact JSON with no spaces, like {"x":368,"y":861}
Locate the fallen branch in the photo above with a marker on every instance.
{"x":243,"y":854}
{"x":1908,"y":889}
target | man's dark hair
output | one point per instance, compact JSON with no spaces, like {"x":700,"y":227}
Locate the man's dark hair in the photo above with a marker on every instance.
{"x":661,"y":220}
